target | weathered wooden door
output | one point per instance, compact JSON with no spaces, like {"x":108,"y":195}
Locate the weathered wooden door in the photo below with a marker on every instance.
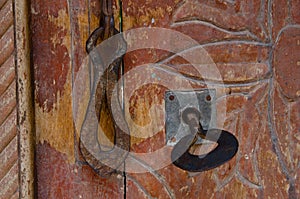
{"x":253,"y":45}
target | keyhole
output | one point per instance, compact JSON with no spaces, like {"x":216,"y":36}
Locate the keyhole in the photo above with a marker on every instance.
{"x":190,"y":114}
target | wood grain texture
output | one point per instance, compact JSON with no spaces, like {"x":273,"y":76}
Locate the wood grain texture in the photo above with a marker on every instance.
{"x":6,"y":19}
{"x":9,"y":176}
{"x":253,"y":45}
{"x":59,"y":31}
{"x":261,"y":109}
{"x":25,"y":109}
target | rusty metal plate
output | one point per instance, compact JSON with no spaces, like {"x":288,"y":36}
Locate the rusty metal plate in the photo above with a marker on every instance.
{"x":177,"y":101}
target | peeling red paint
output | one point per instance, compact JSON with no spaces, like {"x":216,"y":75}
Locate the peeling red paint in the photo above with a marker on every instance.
{"x":51,"y":59}
{"x":237,"y":36}
{"x":58,"y":179}
{"x":287,"y":62}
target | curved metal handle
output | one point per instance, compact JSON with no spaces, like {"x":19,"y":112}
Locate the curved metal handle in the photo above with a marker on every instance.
{"x":102,"y":94}
{"x":104,"y":162}
{"x":226,"y":149}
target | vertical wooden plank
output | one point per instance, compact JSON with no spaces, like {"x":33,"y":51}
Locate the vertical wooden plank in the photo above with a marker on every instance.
{"x":8,"y":123}
{"x":84,"y":19}
{"x":59,"y":33}
{"x":25,"y":100}
{"x":51,"y":53}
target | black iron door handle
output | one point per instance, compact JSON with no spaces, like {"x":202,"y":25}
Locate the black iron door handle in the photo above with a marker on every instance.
{"x":104,"y":162}
{"x":226,"y":149}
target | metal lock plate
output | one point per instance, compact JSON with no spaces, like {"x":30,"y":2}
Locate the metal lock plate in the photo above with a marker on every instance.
{"x":177,"y":101}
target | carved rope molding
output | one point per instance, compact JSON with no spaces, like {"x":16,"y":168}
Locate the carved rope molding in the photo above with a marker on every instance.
{"x":25,"y":119}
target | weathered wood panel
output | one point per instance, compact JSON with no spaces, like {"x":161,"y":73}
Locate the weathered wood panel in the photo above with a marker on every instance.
{"x":9,"y":174}
{"x":253,"y":45}
{"x":261,"y":109}
{"x":59,"y":32}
